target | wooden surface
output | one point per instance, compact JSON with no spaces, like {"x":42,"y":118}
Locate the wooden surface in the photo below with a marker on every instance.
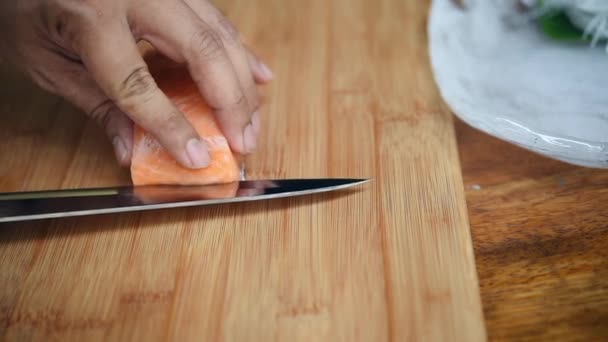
{"x":353,"y":97}
{"x":540,"y":231}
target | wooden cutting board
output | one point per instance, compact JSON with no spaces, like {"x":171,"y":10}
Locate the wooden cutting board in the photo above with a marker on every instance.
{"x":353,"y":96}
{"x":540,"y":235}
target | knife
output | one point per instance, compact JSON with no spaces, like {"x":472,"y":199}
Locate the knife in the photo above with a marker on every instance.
{"x":34,"y":205}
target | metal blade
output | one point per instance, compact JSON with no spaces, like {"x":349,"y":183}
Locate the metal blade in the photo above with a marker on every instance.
{"x":21,"y":206}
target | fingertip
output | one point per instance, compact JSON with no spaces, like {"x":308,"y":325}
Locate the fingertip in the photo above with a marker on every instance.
{"x":264,"y":73}
{"x":120,"y":131}
{"x":237,"y":143}
{"x":261,"y":73}
{"x":260,"y":70}
{"x":249,"y":139}
{"x":121,"y":151}
{"x":243,"y":140}
{"x":197,"y":154}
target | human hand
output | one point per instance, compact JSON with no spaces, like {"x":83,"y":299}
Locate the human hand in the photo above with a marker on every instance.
{"x":86,"y":51}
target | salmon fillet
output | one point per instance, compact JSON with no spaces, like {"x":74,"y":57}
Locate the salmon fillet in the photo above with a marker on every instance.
{"x":152,"y":165}
{"x":161,"y":193}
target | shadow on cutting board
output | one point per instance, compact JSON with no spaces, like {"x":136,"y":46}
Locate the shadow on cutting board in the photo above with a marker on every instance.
{"x":192,"y":217}
{"x":46,"y":143}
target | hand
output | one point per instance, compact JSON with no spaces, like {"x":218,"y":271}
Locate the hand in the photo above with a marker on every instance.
{"x":86,"y":51}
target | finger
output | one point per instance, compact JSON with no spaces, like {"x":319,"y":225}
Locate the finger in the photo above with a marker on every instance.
{"x":231,"y":40}
{"x":261,"y":72}
{"x":178,"y":32}
{"x":71,"y":81}
{"x":80,"y":89}
{"x":112,"y":57}
{"x":240,"y":61}
{"x":118,"y":127}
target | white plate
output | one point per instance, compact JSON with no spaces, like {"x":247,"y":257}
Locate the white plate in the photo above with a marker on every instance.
{"x":504,"y":77}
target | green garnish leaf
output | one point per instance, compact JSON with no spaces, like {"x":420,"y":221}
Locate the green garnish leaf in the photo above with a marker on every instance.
{"x":559,"y":27}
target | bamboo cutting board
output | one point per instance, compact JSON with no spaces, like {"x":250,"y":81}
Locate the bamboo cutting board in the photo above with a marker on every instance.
{"x":353,"y":96}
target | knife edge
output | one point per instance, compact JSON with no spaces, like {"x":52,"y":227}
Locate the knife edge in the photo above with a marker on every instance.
{"x":44,"y":201}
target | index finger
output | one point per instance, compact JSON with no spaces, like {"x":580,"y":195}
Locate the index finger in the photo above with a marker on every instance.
{"x":177,"y":31}
{"x":111,"y":56}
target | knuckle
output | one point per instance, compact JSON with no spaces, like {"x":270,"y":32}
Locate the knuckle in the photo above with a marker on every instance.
{"x":44,"y":80}
{"x":170,"y":124}
{"x":235,"y":104}
{"x":68,"y":20}
{"x":102,"y":113}
{"x":228,"y":32}
{"x":240,"y":101}
{"x":254,"y":101}
{"x":63,"y":26}
{"x":138,"y":86}
{"x":207,"y":43}
{"x":235,"y":107}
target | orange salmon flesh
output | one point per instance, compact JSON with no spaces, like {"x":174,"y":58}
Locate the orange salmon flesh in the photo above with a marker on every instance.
{"x":152,"y":165}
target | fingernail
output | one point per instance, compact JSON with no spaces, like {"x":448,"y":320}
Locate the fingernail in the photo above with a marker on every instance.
{"x":199,"y":157}
{"x":120,"y":149}
{"x":266,"y":71}
{"x":249,"y":138}
{"x":255,"y":122}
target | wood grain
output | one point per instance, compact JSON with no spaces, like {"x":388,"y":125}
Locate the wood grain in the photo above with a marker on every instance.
{"x":353,"y":97}
{"x":540,"y":231}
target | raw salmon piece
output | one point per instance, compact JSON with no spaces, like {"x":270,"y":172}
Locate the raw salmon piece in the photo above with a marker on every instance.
{"x":152,"y":165}
{"x":215,"y":191}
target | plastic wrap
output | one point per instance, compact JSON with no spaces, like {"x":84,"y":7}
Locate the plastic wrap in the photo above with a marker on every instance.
{"x":501,"y":75}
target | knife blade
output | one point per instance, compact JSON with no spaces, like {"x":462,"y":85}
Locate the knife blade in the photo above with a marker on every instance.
{"x":34,"y":205}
